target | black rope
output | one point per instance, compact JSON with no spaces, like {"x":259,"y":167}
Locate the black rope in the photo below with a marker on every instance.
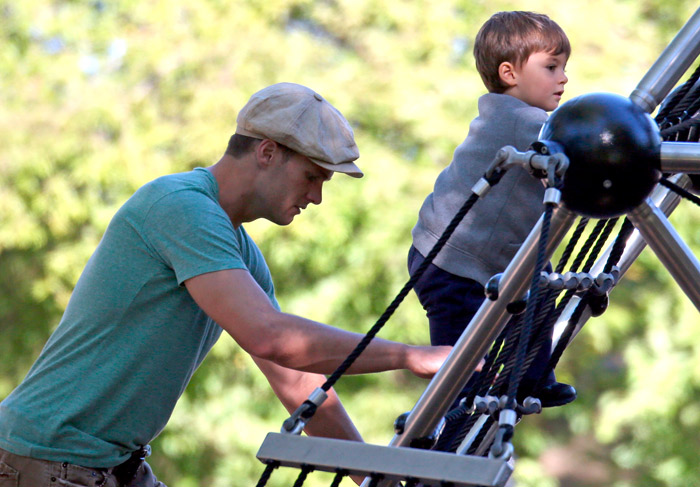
{"x":578,"y":261}
{"x":305,"y":471}
{"x":269,"y":468}
{"x":547,"y":311}
{"x":674,"y":105}
{"x":504,"y":353}
{"x":532,"y":301}
{"x":573,"y":241}
{"x":481,"y":435}
{"x":309,"y":407}
{"x":613,"y":259}
{"x":619,"y":245}
{"x":456,"y":220}
{"x":456,"y":426}
{"x":686,"y":124}
{"x":508,"y":358}
{"x":680,"y":191}
{"x":339,"y":476}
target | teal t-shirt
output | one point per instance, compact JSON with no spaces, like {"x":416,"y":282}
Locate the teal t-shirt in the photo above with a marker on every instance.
{"x":131,"y":336}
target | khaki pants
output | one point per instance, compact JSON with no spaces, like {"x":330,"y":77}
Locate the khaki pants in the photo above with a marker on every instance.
{"x":19,"y":471}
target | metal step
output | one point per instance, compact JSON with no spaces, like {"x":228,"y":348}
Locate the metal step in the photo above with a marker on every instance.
{"x":431,"y":468}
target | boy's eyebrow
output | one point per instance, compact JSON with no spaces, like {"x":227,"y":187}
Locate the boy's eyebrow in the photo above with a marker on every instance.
{"x":555,"y":57}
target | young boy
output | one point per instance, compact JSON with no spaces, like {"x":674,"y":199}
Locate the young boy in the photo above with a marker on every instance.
{"x":521,"y":58}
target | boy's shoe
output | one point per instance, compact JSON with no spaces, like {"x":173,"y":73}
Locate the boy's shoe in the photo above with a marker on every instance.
{"x":556,"y":394}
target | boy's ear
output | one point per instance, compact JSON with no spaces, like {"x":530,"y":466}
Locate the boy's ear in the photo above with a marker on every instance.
{"x":508,"y":74}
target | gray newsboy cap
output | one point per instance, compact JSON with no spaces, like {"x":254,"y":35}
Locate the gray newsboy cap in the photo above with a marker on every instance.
{"x":301,"y":119}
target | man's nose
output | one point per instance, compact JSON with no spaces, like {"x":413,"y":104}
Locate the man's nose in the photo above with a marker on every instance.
{"x":315,"y":193}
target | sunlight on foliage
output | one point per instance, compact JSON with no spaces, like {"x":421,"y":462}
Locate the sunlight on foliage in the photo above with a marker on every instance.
{"x":97,"y":98}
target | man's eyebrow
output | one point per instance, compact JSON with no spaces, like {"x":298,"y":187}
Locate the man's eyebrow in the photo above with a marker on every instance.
{"x":326,"y":174}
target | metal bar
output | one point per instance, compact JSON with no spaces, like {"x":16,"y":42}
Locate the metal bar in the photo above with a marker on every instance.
{"x":680,"y":157}
{"x":475,"y":341}
{"x":670,"y":66}
{"x":673,"y":253}
{"x":430,"y":468}
{"x":667,"y":201}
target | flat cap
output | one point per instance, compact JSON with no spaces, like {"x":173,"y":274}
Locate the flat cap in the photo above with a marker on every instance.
{"x":301,"y":119}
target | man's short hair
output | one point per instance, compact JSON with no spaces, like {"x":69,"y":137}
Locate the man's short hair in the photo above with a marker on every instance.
{"x":240,"y":145}
{"x":512,"y":37}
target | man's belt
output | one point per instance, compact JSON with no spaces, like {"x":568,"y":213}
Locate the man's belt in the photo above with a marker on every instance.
{"x":125,"y":472}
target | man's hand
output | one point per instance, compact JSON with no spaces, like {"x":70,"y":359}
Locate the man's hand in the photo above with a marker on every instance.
{"x":425,"y":361}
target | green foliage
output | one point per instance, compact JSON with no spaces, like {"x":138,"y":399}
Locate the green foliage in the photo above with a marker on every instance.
{"x":98,"y":97}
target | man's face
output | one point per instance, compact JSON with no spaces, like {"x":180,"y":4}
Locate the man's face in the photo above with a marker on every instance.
{"x":541,"y":80}
{"x":295,"y":183}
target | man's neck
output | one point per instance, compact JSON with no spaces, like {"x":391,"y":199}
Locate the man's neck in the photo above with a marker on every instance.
{"x":235,"y":180}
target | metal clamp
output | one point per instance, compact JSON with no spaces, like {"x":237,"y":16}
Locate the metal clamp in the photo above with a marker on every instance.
{"x":295,"y":424}
{"x":502,"y":448}
{"x":486,"y":404}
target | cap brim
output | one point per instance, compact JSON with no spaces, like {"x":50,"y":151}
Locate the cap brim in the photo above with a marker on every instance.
{"x":349,"y":168}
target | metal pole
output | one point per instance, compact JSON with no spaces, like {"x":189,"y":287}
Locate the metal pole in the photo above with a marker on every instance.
{"x":680,"y":157}
{"x":670,"y":66}
{"x":667,"y":201}
{"x":480,"y":334}
{"x":673,"y":253}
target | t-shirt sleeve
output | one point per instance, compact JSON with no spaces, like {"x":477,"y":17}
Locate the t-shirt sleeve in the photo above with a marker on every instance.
{"x":191,"y":234}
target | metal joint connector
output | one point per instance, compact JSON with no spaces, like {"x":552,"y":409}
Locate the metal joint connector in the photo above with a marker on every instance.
{"x":297,"y":421}
{"x":481,"y":187}
{"x":552,"y":196}
{"x":507,"y":417}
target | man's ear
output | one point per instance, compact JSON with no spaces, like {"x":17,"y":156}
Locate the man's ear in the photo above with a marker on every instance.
{"x":508,"y":74}
{"x":265,"y":151}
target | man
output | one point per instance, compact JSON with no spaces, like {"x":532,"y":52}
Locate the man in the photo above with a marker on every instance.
{"x":174,"y":268}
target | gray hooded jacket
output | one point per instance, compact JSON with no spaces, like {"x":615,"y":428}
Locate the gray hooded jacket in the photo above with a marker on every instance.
{"x":492,"y":232}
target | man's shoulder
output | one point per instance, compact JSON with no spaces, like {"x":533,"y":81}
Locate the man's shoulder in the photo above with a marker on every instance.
{"x":198,"y":179}
{"x":173,"y":187}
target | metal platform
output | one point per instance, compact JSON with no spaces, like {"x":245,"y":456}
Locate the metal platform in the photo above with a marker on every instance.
{"x":430,"y":468}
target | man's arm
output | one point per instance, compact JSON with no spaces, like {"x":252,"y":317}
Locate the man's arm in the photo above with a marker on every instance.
{"x":293,"y":387}
{"x":234,"y":300}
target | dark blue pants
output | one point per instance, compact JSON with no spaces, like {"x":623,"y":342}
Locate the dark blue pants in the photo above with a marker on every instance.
{"x":451,"y":301}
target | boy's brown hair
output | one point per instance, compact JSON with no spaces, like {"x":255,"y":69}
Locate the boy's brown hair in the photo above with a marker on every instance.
{"x":513,"y":37}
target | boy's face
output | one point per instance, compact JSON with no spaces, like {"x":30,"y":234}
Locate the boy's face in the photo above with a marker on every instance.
{"x":539,"y":81}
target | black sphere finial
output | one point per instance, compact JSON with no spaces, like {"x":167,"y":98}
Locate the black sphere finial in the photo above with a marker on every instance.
{"x":613,"y":148}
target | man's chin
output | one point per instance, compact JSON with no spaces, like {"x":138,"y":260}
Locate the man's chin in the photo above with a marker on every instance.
{"x":283,"y":222}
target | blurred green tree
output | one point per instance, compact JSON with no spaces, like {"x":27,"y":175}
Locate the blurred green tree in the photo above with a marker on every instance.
{"x":98,"y":97}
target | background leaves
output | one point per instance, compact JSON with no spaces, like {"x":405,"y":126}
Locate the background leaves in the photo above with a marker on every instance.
{"x":98,"y":97}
